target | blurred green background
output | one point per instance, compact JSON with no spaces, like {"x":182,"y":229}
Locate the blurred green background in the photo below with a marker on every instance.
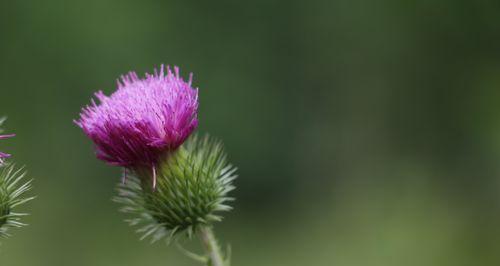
{"x":366,"y":132}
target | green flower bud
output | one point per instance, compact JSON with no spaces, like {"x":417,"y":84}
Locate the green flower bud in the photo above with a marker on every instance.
{"x":192,"y":187}
{"x":12,"y":189}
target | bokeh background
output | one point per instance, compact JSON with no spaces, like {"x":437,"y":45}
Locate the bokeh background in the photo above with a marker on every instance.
{"x":366,"y":132}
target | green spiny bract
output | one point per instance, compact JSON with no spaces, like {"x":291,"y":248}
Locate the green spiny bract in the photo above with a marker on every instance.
{"x":12,"y":189}
{"x":192,"y":186}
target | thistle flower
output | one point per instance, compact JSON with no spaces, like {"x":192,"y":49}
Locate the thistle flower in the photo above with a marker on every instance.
{"x":143,"y":120}
{"x":12,"y":189}
{"x":173,"y":183}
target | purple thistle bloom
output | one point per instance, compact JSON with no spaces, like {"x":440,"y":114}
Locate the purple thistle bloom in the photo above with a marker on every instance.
{"x":143,"y":120}
{"x":5,"y":155}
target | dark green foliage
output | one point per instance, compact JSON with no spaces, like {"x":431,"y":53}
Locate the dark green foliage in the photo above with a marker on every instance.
{"x":192,"y":186}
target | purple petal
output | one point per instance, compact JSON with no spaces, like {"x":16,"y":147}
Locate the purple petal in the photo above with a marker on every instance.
{"x":143,"y":119}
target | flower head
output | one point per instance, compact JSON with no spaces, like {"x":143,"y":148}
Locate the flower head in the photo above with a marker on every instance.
{"x":143,"y":120}
{"x":13,"y":187}
{"x":192,"y":190}
{"x":177,"y":183}
{"x":12,"y":190}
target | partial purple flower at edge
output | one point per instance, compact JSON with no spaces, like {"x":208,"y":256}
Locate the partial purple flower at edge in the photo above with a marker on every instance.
{"x":143,"y":120}
{"x":5,"y":155}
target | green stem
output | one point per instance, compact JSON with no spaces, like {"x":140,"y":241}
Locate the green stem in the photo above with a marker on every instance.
{"x":211,"y":246}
